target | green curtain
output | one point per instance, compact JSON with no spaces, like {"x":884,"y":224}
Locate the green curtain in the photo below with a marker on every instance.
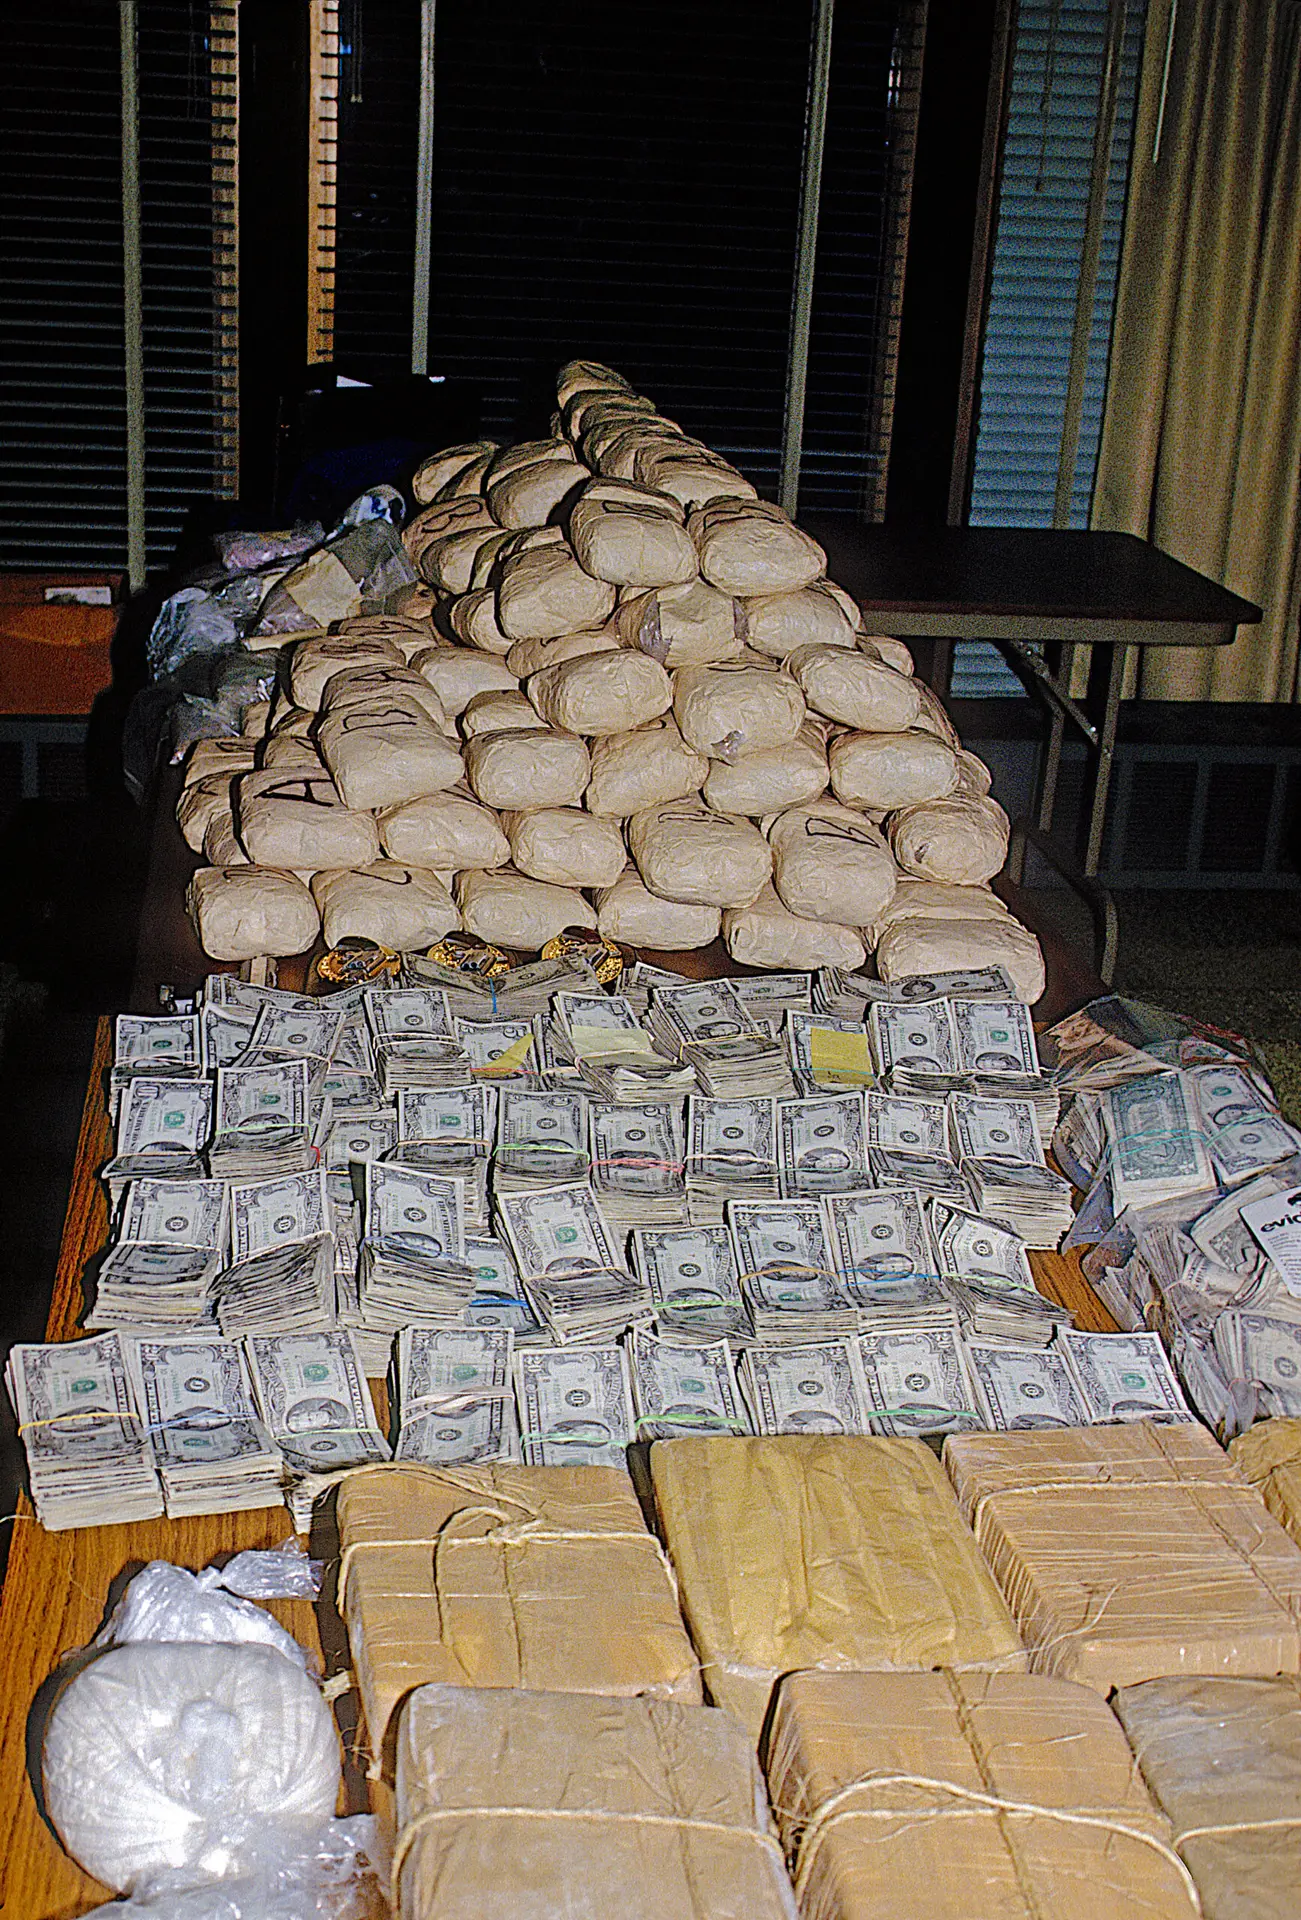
{"x":1201,"y":435}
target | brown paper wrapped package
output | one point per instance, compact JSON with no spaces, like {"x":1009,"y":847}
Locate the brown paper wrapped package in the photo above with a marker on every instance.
{"x":545,"y":593}
{"x":941,"y":946}
{"x":845,"y":685}
{"x":525,"y":453}
{"x":384,"y":754}
{"x":645,"y":768}
{"x":448,"y":832}
{"x":289,"y":749}
{"x":830,"y":863}
{"x":241,"y":913}
{"x":228,"y":756}
{"x":527,"y":767}
{"x":1128,"y":1552}
{"x":530,"y":656}
{"x":472,"y":617}
{"x":602,"y":692}
{"x":685,"y":852}
{"x":687,"y":626}
{"x":830,"y":1552}
{"x":778,"y":623}
{"x":961,"y":839}
{"x":962,"y":1796}
{"x":435,"y":472}
{"x":395,"y":906}
{"x":457,"y":673}
{"x":631,"y":535}
{"x":295,"y":818}
{"x":500,"y":712}
{"x":528,"y":497}
{"x":565,"y":846}
{"x":757,"y":784}
{"x":468,"y":481}
{"x":543,"y":1804}
{"x":316,"y":661}
{"x":201,"y":802}
{"x":371,"y":686}
{"x":1223,"y":1760}
{"x":750,"y":547}
{"x":221,"y":847}
{"x":889,"y":770}
{"x":628,"y":911}
{"x":506,"y":909}
{"x":767,"y":934}
{"x":439,"y":522}
{"x":1269,"y":1455}
{"x":485,"y":1576}
{"x":737,"y":706}
{"x":692,"y":474}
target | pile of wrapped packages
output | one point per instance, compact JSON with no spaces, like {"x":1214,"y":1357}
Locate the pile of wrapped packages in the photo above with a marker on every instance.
{"x":616,"y":692}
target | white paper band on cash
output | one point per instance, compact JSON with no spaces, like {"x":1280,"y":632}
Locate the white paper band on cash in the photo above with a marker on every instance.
{"x":600,"y":1816}
{"x":966,"y":1801}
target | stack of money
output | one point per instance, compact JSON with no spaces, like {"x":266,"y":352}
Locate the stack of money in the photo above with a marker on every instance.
{"x":731,"y":1154}
{"x":767,"y":997}
{"x":745,"y":1066}
{"x":570,"y":1265}
{"x":784,"y":1266}
{"x":224,"y":1034}
{"x":313,"y":1397}
{"x":1155,"y":1150}
{"x":163,"y":1126}
{"x":455,"y":1398}
{"x":705,"y":1025}
{"x":413,"y":1270}
{"x":281,"y":1275}
{"x":460,"y":1121}
{"x":917,"y":1382}
{"x":821,"y":1146}
{"x":162,"y":1046}
{"x":414,"y":1040}
{"x":641,"y":980}
{"x":374,"y":1345}
{"x":1241,"y":1125}
{"x":542,"y":1139}
{"x":355,"y":1136}
{"x":680,"y":1390}
{"x":836,"y":991}
{"x":574,"y":1405}
{"x":1265,"y":1350}
{"x":986,"y":1273}
{"x":501,"y":1049}
{"x":881,"y":1249}
{"x":908,"y":1146}
{"x":691,"y":1275}
{"x":980,"y":1045}
{"x":498,"y":1299}
{"x":638,"y":1155}
{"x":214,"y":1454}
{"x":816,"y":1387}
{"x":829,"y":1053}
{"x":430,"y":1156}
{"x":88,"y":1458}
{"x":518,"y":994}
{"x":307,"y":1031}
{"x":1023,"y":1389}
{"x":157,"y":1275}
{"x":1000,"y":1156}
{"x":260,"y":1124}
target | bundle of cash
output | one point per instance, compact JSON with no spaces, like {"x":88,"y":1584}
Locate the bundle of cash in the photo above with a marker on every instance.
{"x":355,"y":1137}
{"x":1264,"y":1352}
{"x":640,"y":981}
{"x":691,"y":1275}
{"x":881,"y":1248}
{"x":501,"y":1049}
{"x":517,"y":994}
{"x":637,"y":1155}
{"x":213,"y":1453}
{"x":767,"y":997}
{"x":1024,"y":1388}
{"x":908,"y":1146}
{"x":821,"y":1146}
{"x":574,"y":1405}
{"x":415,"y":1042}
{"x":160,"y":1046}
{"x":916,"y":1382}
{"x":828,"y":1052}
{"x":683,"y":1391}
{"x":986,"y":1274}
{"x":460,"y":1121}
{"x":260,"y":1125}
{"x":224,"y":1034}
{"x":809,"y":1388}
{"x":413,"y":1270}
{"x":307,"y":1032}
{"x":1000,"y":1156}
{"x":1155,"y":1150}
{"x":1242,"y":1127}
{"x":542,"y":1139}
{"x":610,"y":1054}
{"x":731,"y":1154}
{"x":981,"y":1045}
{"x":570,"y":1264}
{"x":313,"y":1396}
{"x":281,"y":1275}
{"x":428,"y":1156}
{"x":498,"y":1299}
{"x":784,"y":1267}
{"x":162,"y":1128}
{"x":88,"y":1457}
{"x":1083,"y":1378}
{"x":170,"y":1244}
{"x":455,"y":1398}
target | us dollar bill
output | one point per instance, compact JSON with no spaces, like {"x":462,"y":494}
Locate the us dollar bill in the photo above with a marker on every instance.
{"x":1244,"y":1134}
{"x":821,"y":1144}
{"x":262,"y":1100}
{"x":1153,"y":1131}
{"x":813,"y":1388}
{"x":542,"y":1137}
{"x":575,"y":1406}
{"x":161,"y":1044}
{"x":691,"y":1274}
{"x":1026,"y":1388}
{"x":731,"y":1142}
{"x":458,"y":1118}
{"x":313,"y":1396}
{"x":308,"y":1033}
{"x":175,"y":1213}
{"x":1124,"y":1376}
{"x":681,"y":1392}
{"x":557,"y":1230}
{"x":277,"y":1213}
{"x":917,"y":1383}
{"x":881,"y":1248}
{"x":916,"y":1039}
{"x":174,"y":1115}
{"x":457,"y":1402}
{"x":994,"y":1037}
{"x":995,"y":1130}
{"x":400,"y":1013}
{"x":420,"y":1213}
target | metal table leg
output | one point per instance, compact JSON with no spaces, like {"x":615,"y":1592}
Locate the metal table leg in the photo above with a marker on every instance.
{"x":1106,"y":754}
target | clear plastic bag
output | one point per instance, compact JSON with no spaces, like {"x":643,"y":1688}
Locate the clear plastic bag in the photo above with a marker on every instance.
{"x":167,"y":1603}
{"x":338,"y":1875}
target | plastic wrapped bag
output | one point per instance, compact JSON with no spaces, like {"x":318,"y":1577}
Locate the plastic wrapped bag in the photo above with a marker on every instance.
{"x":168,"y":1603}
{"x":241,"y":913}
{"x":642,"y":769}
{"x":337,"y":1874}
{"x":602,"y":693}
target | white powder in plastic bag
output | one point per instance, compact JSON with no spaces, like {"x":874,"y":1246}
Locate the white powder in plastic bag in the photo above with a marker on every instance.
{"x":845,"y":685}
{"x":296,"y":818}
{"x":777,"y":623}
{"x":643,"y":769}
{"x":509,"y":910}
{"x":889,"y":770}
{"x":457,"y":673}
{"x":163,"y":1757}
{"x":830,"y":863}
{"x":737,"y":706}
{"x":447,"y":832}
{"x":241,"y":913}
{"x":765,"y":782}
{"x":686,"y":852}
{"x":384,"y":754}
{"x":628,"y":911}
{"x":534,"y":767}
{"x":750,"y":547}
{"x":768,"y":934}
{"x":602,"y":692}
{"x":393,"y":905}
{"x":544,"y":593}
{"x":961,"y":839}
{"x":686,"y":626}
{"x":631,"y":535}
{"x":565,"y":846}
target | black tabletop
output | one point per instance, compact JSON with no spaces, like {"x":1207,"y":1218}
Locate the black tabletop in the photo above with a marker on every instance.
{"x":1020,"y":572}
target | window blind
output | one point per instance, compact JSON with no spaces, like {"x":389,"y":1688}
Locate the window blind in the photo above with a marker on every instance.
{"x":62,"y":363}
{"x":625,"y":182}
{"x":1047,"y":161}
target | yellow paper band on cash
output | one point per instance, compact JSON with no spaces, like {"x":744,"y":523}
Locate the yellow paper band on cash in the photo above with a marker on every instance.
{"x":510,"y":1061}
{"x":840,"y":1059}
{"x":587,"y":1041}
